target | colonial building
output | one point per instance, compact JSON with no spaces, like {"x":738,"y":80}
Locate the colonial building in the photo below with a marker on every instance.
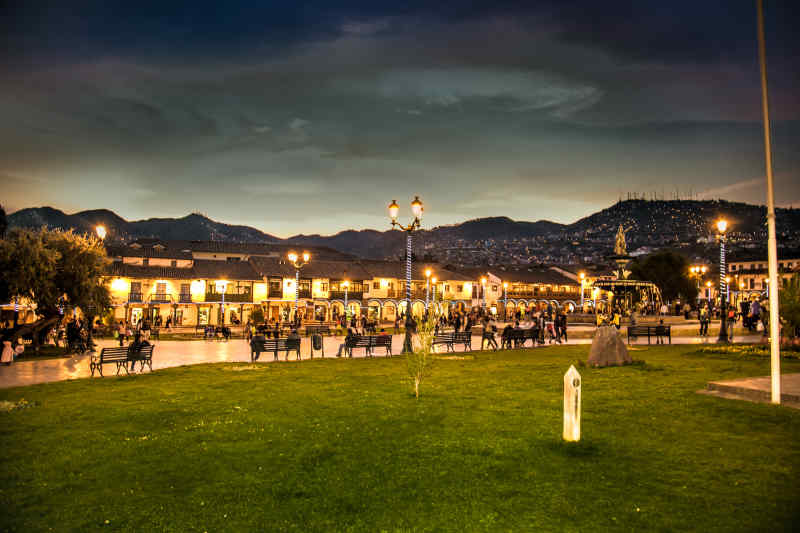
{"x":199,"y":283}
{"x":749,"y":276}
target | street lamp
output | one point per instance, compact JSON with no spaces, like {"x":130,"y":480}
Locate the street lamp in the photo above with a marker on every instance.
{"x":427,"y":286}
{"x":221,"y":286}
{"x":416,"y":209}
{"x":434,"y":279}
{"x":346,"y":285}
{"x":298,"y":264}
{"x":483,"y":292}
{"x":583,"y":281}
{"x":722,"y":227}
{"x":505,"y":299}
{"x":101,"y":232}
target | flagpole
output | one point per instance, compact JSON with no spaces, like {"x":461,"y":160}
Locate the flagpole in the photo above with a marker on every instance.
{"x":772,"y":245}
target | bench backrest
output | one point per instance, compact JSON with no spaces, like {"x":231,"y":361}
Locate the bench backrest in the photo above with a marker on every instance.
{"x":382,"y":340}
{"x":359,"y":341}
{"x":462,"y":336}
{"x":270,"y":345}
{"x":109,"y":354}
{"x":443,"y":337}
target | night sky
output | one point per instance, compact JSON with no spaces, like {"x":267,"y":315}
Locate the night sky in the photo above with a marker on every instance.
{"x":304,"y":117}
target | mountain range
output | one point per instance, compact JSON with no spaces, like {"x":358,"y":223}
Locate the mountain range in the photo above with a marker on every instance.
{"x":644,"y":220}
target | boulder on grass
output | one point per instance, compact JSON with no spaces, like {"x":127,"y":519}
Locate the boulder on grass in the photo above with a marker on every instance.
{"x":608,"y":348}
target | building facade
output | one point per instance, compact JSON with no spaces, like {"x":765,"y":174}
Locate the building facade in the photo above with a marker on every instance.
{"x":202,"y":283}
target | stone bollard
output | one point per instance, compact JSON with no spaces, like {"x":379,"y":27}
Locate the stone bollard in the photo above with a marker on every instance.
{"x":572,"y":405}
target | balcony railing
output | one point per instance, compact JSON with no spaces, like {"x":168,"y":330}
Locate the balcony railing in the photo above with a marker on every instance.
{"x":185,"y":298}
{"x":135,"y":297}
{"x":229,"y":297}
{"x":339,"y":295}
{"x":304,"y":293}
{"x":160,"y":298}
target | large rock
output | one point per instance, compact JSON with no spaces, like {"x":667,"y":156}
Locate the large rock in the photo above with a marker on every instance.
{"x":608,"y":348}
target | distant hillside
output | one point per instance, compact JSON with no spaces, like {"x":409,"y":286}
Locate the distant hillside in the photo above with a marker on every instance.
{"x":191,"y":227}
{"x":652,"y":223}
{"x":682,"y":219}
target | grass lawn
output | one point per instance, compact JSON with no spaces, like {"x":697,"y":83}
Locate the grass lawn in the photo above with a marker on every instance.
{"x":341,"y":445}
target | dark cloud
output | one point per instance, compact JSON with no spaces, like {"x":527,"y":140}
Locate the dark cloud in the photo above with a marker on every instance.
{"x":283,"y":117}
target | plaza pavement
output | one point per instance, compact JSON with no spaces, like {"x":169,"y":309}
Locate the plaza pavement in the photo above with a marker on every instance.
{"x":178,"y":353}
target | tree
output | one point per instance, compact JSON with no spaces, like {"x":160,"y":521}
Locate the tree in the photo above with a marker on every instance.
{"x":420,"y":359}
{"x":257,"y":316}
{"x":3,"y":221}
{"x":790,"y":306}
{"x":52,"y":269}
{"x":669,"y":271}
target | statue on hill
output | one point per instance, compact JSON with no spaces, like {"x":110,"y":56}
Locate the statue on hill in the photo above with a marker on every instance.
{"x":620,"y":248}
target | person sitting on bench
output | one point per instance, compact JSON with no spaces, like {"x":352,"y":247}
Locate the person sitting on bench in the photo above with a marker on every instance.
{"x":350,"y":335}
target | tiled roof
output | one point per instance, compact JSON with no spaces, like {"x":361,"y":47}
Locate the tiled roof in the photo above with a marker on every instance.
{"x":271,"y":266}
{"x":147,"y":251}
{"x":322,"y":252}
{"x":521,"y":274}
{"x":202,"y":269}
{"x":117,"y":268}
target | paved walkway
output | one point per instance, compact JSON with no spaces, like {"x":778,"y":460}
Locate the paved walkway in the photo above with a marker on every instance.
{"x":758,"y":389}
{"x":178,"y":353}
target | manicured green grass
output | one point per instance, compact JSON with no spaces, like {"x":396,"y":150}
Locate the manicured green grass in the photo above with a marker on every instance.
{"x":338,"y":445}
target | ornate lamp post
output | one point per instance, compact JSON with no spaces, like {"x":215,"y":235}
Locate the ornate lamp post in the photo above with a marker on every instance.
{"x":505,"y":300}
{"x":433,"y":284}
{"x":483,"y":293}
{"x":427,"y":286}
{"x":416,"y":209}
{"x":582,"y":276}
{"x":346,"y":285}
{"x":101,"y":234}
{"x":722,"y":227}
{"x":298,"y":264}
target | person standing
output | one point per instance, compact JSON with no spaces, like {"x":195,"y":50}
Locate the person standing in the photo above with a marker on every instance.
{"x":121,"y":332}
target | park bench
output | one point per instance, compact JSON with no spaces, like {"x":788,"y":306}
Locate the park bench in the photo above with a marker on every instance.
{"x":274,"y":346}
{"x":358,"y":341}
{"x":449,"y":339}
{"x":121,"y":356}
{"x":381,"y":341}
{"x":635,"y":332}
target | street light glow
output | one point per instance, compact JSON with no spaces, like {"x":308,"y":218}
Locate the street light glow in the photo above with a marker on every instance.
{"x":416,"y":207}
{"x":292,"y":256}
{"x":722,"y":225}
{"x":394,"y":209}
{"x":101,"y":231}
{"x":306,"y":256}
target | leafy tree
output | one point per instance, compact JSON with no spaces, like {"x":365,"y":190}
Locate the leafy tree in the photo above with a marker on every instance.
{"x":669,"y":271}
{"x":790,"y":306}
{"x":257,"y":316}
{"x":3,"y":221}
{"x":53,"y":268}
{"x":420,"y":359}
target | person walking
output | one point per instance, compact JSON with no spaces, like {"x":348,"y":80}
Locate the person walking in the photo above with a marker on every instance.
{"x":705,"y":318}
{"x":121,"y":332}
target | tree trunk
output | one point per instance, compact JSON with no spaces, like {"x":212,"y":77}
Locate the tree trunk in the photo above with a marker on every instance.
{"x":36,"y":330}
{"x":416,"y":388}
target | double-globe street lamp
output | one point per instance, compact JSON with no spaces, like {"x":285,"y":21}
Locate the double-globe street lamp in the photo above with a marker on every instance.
{"x":346,"y":285}
{"x":483,"y":294}
{"x":416,"y":209}
{"x":722,"y":227}
{"x":298,"y":263}
{"x":505,"y":300}
{"x":428,"y":273}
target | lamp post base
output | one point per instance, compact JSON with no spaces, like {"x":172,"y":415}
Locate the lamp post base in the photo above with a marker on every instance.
{"x":723,"y":326}
{"x":408,"y":346}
